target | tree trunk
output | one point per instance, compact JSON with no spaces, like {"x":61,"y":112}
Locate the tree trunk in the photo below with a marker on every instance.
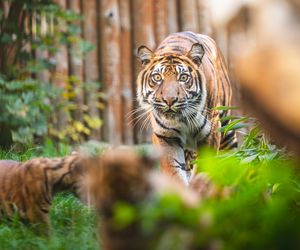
{"x":110,"y":61}
{"x":126,"y":70}
{"x":91,"y":65}
{"x":143,"y":34}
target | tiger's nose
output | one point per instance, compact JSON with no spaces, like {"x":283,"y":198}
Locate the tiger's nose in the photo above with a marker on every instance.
{"x":170,"y":100}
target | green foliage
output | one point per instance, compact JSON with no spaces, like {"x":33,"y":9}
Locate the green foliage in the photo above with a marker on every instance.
{"x":75,"y":130}
{"x":34,"y":108}
{"x":26,"y":106}
{"x":252,"y":203}
{"x":73,"y":227}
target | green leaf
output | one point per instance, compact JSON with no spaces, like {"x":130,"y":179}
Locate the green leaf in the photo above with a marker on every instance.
{"x":249,"y":159}
{"x":231,"y":117}
{"x":6,"y":38}
{"x":226,"y":108}
{"x":124,"y":215}
{"x":236,"y":124}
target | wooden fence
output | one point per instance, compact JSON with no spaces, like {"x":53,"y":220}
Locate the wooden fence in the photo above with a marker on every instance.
{"x":117,"y":28}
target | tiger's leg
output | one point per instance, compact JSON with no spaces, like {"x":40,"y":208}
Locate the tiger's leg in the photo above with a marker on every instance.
{"x":172,"y":161}
{"x":190,"y":156}
{"x":38,"y":215}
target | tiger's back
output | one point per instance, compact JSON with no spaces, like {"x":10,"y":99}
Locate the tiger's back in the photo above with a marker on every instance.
{"x":28,"y":188}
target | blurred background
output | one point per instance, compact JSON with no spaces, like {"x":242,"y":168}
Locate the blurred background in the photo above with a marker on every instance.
{"x":68,"y":67}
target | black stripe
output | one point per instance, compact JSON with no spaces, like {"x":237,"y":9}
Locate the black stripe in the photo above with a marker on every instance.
{"x":178,"y":49}
{"x":164,"y":127}
{"x":159,"y":123}
{"x":193,"y":93}
{"x":59,"y":165}
{"x":171,"y":139}
{"x":225,"y":145}
{"x":44,"y":210}
{"x":234,"y":145}
{"x":181,"y":166}
{"x":147,"y":95}
{"x":161,"y":47}
{"x":200,"y":80}
{"x":176,"y":62}
{"x":228,"y":136}
{"x":56,"y":185}
{"x":143,"y":80}
{"x":198,"y":130}
{"x":203,"y":139}
{"x":225,"y":123}
{"x":46,"y":184}
{"x":188,"y":38}
{"x":194,"y":114}
{"x":190,"y":34}
{"x":205,"y":121}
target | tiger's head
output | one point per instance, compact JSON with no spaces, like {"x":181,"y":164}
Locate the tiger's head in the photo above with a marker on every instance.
{"x":171,"y":84}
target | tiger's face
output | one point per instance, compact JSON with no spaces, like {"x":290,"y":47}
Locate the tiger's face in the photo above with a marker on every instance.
{"x":171,"y":85}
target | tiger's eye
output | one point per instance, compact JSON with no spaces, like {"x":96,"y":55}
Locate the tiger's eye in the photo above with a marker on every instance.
{"x":183,"y":77}
{"x":156,"y":77}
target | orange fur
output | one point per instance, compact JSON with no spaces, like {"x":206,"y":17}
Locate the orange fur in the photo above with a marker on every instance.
{"x":182,"y":81}
{"x":28,"y":188}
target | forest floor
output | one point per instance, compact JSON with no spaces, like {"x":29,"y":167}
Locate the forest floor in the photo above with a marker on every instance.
{"x":262,"y":211}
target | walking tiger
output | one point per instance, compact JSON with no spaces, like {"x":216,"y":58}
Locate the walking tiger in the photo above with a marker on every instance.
{"x":178,"y":87}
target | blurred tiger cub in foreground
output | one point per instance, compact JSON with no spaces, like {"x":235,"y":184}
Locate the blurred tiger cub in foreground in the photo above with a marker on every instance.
{"x":124,"y":176}
{"x":28,"y":187}
{"x":180,"y":84}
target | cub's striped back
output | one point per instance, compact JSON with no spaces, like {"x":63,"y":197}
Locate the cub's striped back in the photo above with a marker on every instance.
{"x":28,"y":188}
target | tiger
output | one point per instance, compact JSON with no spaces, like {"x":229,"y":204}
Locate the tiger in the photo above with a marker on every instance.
{"x":179,"y":87}
{"x":27,"y":188}
{"x":123,"y":176}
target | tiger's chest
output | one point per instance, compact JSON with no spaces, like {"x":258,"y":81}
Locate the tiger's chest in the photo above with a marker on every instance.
{"x":189,"y":135}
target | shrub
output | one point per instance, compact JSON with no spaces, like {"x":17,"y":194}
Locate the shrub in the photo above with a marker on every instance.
{"x":30,"y":103}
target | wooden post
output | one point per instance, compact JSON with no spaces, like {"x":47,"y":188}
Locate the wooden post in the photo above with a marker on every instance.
{"x":188,"y":15}
{"x":143,"y":33}
{"x":203,"y":17}
{"x":172,"y":17}
{"x":110,"y":61}
{"x":126,"y":70}
{"x":75,"y":66}
{"x":60,"y":75}
{"x":161,"y":21}
{"x":91,"y":65}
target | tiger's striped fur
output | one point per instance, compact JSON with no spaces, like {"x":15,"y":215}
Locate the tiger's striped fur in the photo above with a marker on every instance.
{"x":181,"y":83}
{"x":28,"y":188}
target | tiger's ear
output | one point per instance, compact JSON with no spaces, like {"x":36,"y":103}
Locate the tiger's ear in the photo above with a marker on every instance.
{"x":196,"y":53}
{"x":145,"y":55}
